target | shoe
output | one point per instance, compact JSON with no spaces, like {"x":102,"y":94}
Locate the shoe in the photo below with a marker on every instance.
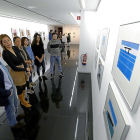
{"x":30,"y":91}
{"x":52,"y":76}
{"x":18,"y":125}
{"x":61,"y":74}
{"x":20,"y":117}
{"x":33,"y":84}
{"x":44,"y":78}
{"x":23,"y":94}
{"x":40,"y":80}
{"x":23,"y":102}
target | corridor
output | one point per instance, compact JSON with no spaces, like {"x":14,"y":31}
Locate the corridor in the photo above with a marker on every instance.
{"x":61,"y":107}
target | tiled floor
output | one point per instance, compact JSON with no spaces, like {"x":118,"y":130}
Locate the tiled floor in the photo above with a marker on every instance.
{"x":51,"y":117}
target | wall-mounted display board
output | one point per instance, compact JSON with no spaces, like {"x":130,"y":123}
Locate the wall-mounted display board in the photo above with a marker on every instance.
{"x":126,"y":66}
{"x":100,"y":72}
{"x":14,"y":32}
{"x":40,"y":33}
{"x":96,"y":58}
{"x":28,"y":33}
{"x":22,"y":32}
{"x":44,"y":36}
{"x":116,"y":122}
{"x":104,"y":43}
{"x":98,"y":39}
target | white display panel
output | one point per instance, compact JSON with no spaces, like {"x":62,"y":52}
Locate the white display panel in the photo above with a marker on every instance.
{"x":116,"y":122}
{"x":98,"y":39}
{"x":126,"y":66}
{"x":96,"y":58}
{"x":104,"y":43}
{"x":100,"y":72}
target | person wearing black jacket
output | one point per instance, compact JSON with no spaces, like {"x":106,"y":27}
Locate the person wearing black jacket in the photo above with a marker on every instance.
{"x":8,"y":98}
{"x":38,"y":50}
{"x":18,"y":68}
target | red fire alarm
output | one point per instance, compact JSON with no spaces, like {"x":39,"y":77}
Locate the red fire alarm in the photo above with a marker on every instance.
{"x":78,"y":17}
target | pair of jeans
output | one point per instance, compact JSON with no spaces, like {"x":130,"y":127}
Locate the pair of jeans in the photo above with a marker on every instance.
{"x":63,"y":44}
{"x":52,"y":62}
{"x":43,"y":66}
{"x":11,"y":109}
{"x":30,"y":78}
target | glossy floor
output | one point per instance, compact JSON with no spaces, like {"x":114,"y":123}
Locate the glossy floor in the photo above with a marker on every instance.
{"x":61,"y":107}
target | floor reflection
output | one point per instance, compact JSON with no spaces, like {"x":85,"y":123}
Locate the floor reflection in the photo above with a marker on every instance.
{"x":56,"y":94}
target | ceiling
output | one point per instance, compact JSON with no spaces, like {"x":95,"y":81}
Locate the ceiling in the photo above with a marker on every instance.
{"x":53,"y":12}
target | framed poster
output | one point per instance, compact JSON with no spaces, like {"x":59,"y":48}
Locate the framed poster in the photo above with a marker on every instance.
{"x":14,"y":32}
{"x":44,"y":36}
{"x":126,"y":66}
{"x":100,"y":72}
{"x":104,"y":43}
{"x":96,"y":58}
{"x":116,"y":122}
{"x":28,"y":33}
{"x":22,"y":32}
{"x":40,"y":33}
{"x":98,"y":39}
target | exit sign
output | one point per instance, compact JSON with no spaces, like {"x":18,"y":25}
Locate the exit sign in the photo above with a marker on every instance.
{"x":78,"y":17}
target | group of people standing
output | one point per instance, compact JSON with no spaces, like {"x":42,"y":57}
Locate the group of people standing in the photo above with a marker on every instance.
{"x":20,"y":58}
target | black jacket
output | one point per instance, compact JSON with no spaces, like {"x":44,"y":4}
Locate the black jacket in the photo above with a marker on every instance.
{"x":4,"y":94}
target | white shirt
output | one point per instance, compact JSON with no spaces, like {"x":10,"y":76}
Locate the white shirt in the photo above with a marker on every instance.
{"x":64,"y":39}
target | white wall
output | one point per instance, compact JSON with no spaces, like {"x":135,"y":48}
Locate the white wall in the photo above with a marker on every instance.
{"x":111,"y":14}
{"x":87,"y":32}
{"x":72,"y":29}
{"x":8,"y":23}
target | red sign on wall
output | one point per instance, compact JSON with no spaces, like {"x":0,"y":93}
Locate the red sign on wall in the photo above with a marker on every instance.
{"x":78,"y":17}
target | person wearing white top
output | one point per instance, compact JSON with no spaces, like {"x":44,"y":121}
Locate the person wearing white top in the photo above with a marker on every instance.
{"x":64,"y":40}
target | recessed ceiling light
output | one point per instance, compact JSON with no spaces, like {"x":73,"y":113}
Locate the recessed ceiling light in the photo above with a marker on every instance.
{"x":31,"y":7}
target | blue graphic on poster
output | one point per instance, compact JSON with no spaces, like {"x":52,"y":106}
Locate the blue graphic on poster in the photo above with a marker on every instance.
{"x":109,"y":119}
{"x":127,"y":58}
{"x":110,"y":124}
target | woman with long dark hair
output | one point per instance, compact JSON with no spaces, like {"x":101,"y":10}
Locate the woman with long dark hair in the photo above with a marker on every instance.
{"x":25,"y":43}
{"x":18,"y":68}
{"x":38,"y":50}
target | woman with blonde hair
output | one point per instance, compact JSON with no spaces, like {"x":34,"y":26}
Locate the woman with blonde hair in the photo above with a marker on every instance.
{"x":18,"y":68}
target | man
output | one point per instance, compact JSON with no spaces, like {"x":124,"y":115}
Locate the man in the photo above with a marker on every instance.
{"x":8,"y":98}
{"x":64,"y":40}
{"x":50,"y":34}
{"x":54,"y":48}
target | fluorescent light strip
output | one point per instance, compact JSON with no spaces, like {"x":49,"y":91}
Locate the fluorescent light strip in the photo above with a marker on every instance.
{"x":73,"y":88}
{"x":24,"y":19}
{"x":82,"y":4}
{"x":74,"y":17}
{"x":76,"y":127}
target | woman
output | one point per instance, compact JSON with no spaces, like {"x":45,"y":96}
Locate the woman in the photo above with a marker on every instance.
{"x":25,"y":43}
{"x":26,"y":58}
{"x":18,"y":68}
{"x":8,"y":97}
{"x":38,"y":50}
